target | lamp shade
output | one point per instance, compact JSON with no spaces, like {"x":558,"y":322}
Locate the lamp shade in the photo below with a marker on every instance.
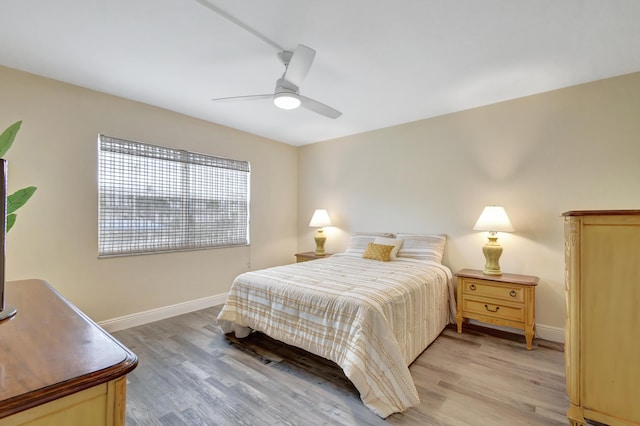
{"x":493,"y":219}
{"x":320,"y":218}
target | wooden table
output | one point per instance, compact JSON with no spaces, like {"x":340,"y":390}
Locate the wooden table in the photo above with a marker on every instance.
{"x":56,"y":365}
{"x":507,"y":300}
{"x":310,"y":255}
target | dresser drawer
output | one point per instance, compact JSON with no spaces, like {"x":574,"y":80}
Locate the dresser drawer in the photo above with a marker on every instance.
{"x":495,"y":310}
{"x":512,"y":293}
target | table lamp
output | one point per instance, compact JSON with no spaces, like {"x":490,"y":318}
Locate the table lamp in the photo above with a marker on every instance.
{"x":319,"y":220}
{"x":493,"y":219}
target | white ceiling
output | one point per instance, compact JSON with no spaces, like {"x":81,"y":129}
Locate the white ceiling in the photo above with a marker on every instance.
{"x":379,"y":62}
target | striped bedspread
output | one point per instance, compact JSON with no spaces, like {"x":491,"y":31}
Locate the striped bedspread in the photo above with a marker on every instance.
{"x":371,"y":318}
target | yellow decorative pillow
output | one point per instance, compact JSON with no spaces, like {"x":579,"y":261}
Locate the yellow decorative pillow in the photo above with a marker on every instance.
{"x":378,"y":252}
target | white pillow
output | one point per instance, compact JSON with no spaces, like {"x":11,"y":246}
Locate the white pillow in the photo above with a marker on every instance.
{"x":424,"y":247}
{"x":360,"y":240}
{"x":395,"y":242}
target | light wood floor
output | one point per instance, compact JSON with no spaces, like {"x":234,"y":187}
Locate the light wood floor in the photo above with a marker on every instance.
{"x":189,"y":373}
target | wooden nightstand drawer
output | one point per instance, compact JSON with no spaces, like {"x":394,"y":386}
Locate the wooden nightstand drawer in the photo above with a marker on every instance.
{"x":495,"y":310}
{"x":481,"y":288}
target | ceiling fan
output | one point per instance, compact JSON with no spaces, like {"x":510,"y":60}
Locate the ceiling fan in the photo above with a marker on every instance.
{"x":287,"y":92}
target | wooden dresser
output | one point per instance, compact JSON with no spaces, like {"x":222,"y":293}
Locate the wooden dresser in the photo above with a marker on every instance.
{"x":57,"y":367}
{"x":602,"y":348}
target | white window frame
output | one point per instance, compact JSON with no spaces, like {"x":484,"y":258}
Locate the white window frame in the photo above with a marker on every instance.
{"x":154,"y":199}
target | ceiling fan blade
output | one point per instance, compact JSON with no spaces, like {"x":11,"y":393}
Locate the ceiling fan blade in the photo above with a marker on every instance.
{"x":299,"y":64}
{"x":319,"y":107}
{"x":244,"y":98}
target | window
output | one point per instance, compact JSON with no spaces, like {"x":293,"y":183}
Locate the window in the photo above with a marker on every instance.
{"x":154,"y":199}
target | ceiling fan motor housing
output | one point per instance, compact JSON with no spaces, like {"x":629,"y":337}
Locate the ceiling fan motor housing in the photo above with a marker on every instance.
{"x":286,"y":95}
{"x":285,"y":86}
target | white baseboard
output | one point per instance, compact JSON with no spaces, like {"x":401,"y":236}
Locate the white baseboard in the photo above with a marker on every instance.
{"x":547,"y":332}
{"x":140,"y":318}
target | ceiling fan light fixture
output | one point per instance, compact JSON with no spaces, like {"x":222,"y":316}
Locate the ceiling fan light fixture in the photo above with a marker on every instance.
{"x":286,"y":100}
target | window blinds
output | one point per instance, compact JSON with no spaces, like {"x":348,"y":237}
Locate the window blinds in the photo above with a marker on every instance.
{"x":155,"y":199}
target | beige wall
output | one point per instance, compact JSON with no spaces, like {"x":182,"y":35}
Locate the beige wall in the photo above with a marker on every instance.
{"x":575,"y":148}
{"x":55,"y":237}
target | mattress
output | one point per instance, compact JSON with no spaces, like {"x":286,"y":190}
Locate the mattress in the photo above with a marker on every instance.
{"x":372,"y":318}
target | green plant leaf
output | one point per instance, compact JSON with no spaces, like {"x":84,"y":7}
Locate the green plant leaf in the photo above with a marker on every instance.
{"x":11,"y":219}
{"x":7,"y":137}
{"x":19,"y":198}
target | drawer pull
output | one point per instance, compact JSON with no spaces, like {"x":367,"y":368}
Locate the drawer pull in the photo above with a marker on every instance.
{"x":490,"y":310}
{"x":472,"y":287}
{"x":513,"y":293}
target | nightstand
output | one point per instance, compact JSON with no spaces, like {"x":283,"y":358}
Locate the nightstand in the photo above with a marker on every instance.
{"x":507,"y":300}
{"x":309,"y":255}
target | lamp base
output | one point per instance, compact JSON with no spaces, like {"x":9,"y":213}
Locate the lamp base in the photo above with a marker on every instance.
{"x":7,"y":312}
{"x":320,"y":239}
{"x":492,"y":272}
{"x":492,"y":252}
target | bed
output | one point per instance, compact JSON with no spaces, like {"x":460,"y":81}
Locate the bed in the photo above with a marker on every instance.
{"x":372,"y":314}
